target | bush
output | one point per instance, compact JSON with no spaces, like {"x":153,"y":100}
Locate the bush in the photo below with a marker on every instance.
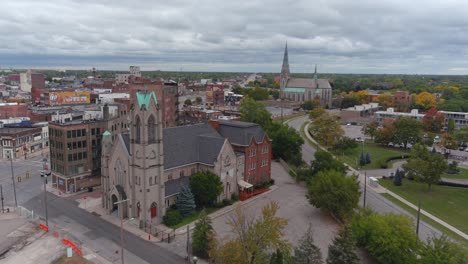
{"x":383,"y":164}
{"x":218,"y":205}
{"x":172,"y":217}
{"x":227,"y":202}
{"x":235,"y":197}
{"x":272,"y":182}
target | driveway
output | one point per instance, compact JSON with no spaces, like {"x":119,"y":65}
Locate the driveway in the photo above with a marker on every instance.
{"x":294,"y":207}
{"x":308,"y":151}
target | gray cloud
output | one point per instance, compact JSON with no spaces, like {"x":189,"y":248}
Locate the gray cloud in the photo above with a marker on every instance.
{"x":385,"y":36}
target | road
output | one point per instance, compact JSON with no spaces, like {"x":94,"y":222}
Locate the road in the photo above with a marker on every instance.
{"x":373,"y":200}
{"x":308,"y":151}
{"x":27,"y":188}
{"x":99,"y":235}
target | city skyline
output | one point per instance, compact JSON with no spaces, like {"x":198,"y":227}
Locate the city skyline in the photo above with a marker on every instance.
{"x":392,"y":37}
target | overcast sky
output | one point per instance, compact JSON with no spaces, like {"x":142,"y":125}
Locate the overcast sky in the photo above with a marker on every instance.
{"x":341,"y":36}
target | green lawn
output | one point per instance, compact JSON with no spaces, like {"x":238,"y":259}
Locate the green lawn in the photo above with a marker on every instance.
{"x":377,"y":154}
{"x":447,"y":203}
{"x":462,"y":175}
{"x":195,"y":216}
{"x":462,"y":241}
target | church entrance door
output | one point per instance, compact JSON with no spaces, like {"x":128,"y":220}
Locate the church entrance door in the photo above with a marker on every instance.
{"x":154,"y":210}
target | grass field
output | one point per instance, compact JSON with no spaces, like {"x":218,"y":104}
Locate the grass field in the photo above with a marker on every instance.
{"x":462,"y":175}
{"x":194,"y":216}
{"x":377,"y":154}
{"x":446,"y":203}
{"x":463,"y":242}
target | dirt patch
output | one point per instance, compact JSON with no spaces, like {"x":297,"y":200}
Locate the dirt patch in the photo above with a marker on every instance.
{"x":73,"y":260}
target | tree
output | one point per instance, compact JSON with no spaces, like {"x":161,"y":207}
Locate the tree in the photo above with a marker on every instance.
{"x":397,"y":179}
{"x":433,"y":120}
{"x":368,"y":158}
{"x":188,"y":102}
{"x":307,"y":252}
{"x":345,"y":143}
{"x":424,"y":165}
{"x":280,"y":257}
{"x":363,"y":96}
{"x":326,"y":129}
{"x":185,"y":202}
{"x":324,"y":161}
{"x":311,"y":104}
{"x":448,"y":141}
{"x":252,"y":111}
{"x":451,"y":126}
{"x":385,"y":134}
{"x":370,"y":129}
{"x":286,"y":142}
{"x":440,"y":250}
{"x":335,"y":193}
{"x":198,"y":100}
{"x":385,"y":100}
{"x":203,"y":234}
{"x":362,"y":159}
{"x":462,"y":135}
{"x":343,"y":249}
{"x":258,"y":93}
{"x":206,"y":187}
{"x":407,"y":130}
{"x":253,"y":239}
{"x":426,"y":100}
{"x":349,"y":101}
{"x":316,"y":112}
{"x":390,"y":238}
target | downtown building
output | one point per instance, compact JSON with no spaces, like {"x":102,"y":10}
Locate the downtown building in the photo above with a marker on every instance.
{"x":75,"y":146}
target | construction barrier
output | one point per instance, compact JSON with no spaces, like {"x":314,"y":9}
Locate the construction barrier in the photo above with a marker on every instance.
{"x":69,"y":243}
{"x":44,"y":227}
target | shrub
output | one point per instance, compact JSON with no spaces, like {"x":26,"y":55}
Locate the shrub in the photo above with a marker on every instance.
{"x":235,"y":197}
{"x":172,"y":218}
{"x":272,"y":182}
{"x":226,"y":202}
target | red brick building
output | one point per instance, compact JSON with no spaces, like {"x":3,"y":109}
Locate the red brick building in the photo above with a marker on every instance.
{"x":166,"y":94}
{"x":13,"y":110}
{"x":253,"y":142}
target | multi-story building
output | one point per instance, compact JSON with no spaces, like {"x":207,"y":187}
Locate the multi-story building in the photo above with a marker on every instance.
{"x":252,"y":142}
{"x":75,"y":148}
{"x":359,"y":114}
{"x":20,"y":142}
{"x":460,"y":119}
{"x":29,"y":80}
{"x":381,"y":116}
{"x":168,"y":95}
{"x":8,"y":110}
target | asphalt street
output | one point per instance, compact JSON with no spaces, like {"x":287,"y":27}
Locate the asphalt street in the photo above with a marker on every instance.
{"x":97,"y":234}
{"x":373,"y":200}
{"x":27,"y":188}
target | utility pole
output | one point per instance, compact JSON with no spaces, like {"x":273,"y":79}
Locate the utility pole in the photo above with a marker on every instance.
{"x":121,"y":229}
{"x":45,"y":191}
{"x":365,"y":188}
{"x":188,"y":242}
{"x":1,"y":194}
{"x":13,"y":178}
{"x":417,"y":220}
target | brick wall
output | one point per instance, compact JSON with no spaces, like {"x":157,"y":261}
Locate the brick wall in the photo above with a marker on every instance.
{"x":7,"y":111}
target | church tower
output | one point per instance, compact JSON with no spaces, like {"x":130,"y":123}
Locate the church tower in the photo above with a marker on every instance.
{"x":147,"y":159}
{"x":285,"y":73}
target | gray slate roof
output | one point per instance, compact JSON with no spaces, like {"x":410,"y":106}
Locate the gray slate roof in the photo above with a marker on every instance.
{"x":307,"y":83}
{"x":173,"y":187}
{"x":189,"y":144}
{"x":241,"y":133}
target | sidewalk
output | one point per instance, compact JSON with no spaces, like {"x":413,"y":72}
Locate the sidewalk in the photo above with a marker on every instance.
{"x":381,"y":189}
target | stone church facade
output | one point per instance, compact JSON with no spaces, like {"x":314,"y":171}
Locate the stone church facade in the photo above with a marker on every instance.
{"x":147,"y":167}
{"x":303,"y":89}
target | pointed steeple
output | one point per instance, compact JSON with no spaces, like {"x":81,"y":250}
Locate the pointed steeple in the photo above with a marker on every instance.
{"x":285,"y":67}
{"x":315,"y":73}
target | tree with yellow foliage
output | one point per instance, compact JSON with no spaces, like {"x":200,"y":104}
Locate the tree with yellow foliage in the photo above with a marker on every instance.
{"x":385,"y":100}
{"x":363,"y":96}
{"x":254,"y":239}
{"x":426,"y":100}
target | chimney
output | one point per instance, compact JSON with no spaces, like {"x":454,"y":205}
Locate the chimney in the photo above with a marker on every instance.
{"x":105,"y":111}
{"x":214,"y":124}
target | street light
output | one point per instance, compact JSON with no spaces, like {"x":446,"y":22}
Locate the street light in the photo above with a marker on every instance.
{"x":45,"y":190}
{"x":121,"y":231}
{"x":195,"y":259}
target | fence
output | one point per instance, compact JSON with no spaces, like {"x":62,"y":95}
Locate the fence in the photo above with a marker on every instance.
{"x":244,"y":195}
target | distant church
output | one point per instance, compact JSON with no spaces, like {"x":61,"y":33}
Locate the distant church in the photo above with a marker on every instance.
{"x":303,"y":89}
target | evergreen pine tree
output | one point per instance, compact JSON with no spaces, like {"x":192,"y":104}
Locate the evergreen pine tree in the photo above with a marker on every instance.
{"x":368,"y":159}
{"x":307,"y":252}
{"x":362,"y":159}
{"x":202,"y":236}
{"x":185,"y":201}
{"x":343,"y":249}
{"x":397,"y":179}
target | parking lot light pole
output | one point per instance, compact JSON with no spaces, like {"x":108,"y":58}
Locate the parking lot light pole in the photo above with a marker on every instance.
{"x":45,"y":191}
{"x":121,"y":231}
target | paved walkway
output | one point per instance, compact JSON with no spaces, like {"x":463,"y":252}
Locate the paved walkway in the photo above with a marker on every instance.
{"x":381,"y":189}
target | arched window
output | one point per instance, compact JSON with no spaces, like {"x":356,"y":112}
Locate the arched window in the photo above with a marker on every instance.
{"x":151,"y":129}
{"x":150,"y":181}
{"x":137,"y":130}
{"x":119,"y":173}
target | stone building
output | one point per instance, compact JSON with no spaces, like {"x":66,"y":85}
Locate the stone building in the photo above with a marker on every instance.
{"x":303,"y":89}
{"x":149,"y":165}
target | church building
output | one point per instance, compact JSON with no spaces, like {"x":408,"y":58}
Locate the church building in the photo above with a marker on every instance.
{"x":303,"y":89}
{"x":146,"y":168}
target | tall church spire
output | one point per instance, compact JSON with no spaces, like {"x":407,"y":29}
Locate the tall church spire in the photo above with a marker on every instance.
{"x":315,"y":73}
{"x":285,"y":67}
